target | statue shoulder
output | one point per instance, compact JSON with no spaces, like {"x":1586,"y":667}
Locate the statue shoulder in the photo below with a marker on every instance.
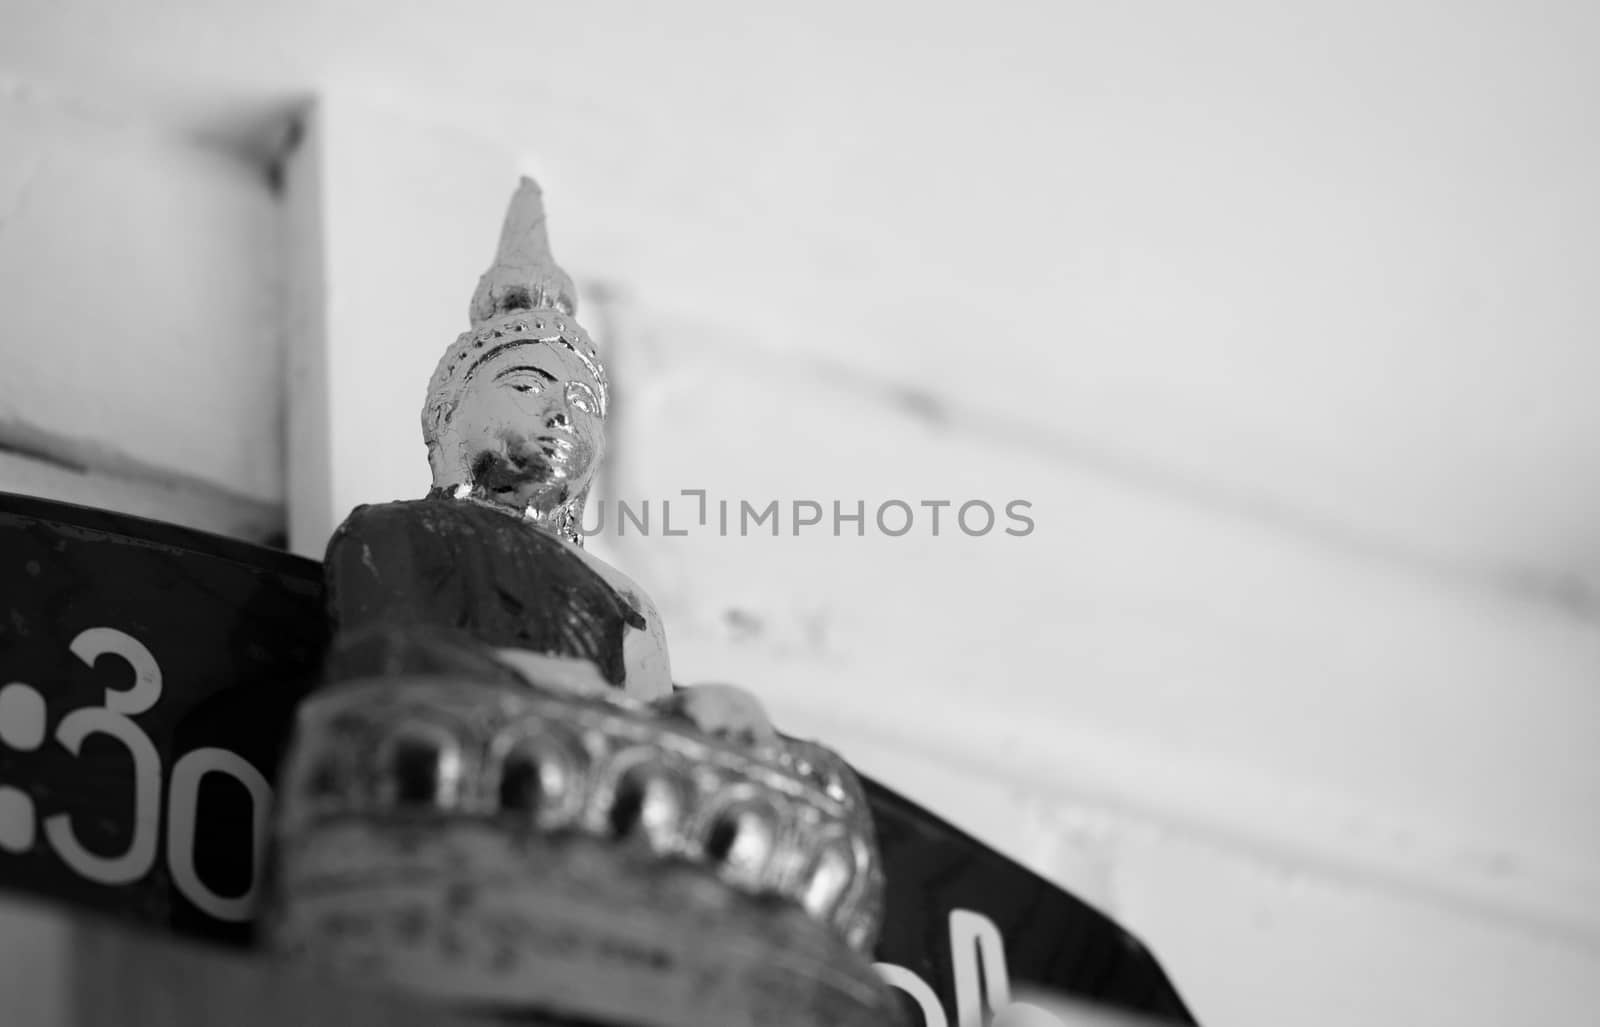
{"x":623,"y":585}
{"x":649,"y":668}
{"x":381,"y":513}
{"x":376,"y":523}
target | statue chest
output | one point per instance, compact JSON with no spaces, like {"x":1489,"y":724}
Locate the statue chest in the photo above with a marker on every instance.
{"x":446,"y":565}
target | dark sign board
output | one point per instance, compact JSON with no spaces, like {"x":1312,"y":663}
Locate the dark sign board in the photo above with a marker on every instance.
{"x":148,"y":677}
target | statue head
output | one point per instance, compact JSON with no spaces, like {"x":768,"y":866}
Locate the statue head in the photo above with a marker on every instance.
{"x":515,"y":413}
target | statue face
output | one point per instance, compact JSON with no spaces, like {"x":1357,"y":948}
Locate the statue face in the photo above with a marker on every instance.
{"x":526,"y":428}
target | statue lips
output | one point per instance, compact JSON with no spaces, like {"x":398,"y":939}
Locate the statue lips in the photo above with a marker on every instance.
{"x":530,"y":461}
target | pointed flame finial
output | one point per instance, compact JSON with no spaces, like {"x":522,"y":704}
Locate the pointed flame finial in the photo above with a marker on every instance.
{"x":524,"y":275}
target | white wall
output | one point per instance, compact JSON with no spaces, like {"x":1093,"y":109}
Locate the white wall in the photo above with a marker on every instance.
{"x":142,"y":339}
{"x":1321,"y":788}
{"x":1278,"y":317}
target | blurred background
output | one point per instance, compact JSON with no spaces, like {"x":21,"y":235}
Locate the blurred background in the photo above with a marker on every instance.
{"x":1282,"y":317}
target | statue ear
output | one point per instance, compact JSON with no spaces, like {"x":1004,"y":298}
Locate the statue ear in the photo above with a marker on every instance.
{"x":440,"y":417}
{"x":436,"y":462}
{"x":575,"y":505}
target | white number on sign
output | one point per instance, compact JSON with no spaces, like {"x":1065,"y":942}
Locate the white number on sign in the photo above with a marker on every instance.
{"x":115,"y":720}
{"x":22,"y":717}
{"x":978,"y":957}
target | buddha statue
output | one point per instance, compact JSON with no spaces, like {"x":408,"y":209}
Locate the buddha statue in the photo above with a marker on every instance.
{"x":498,"y":797}
{"x":488,"y":573}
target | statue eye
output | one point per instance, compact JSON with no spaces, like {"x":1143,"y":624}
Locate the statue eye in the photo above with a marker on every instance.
{"x":525,"y":379}
{"x":582,"y":397}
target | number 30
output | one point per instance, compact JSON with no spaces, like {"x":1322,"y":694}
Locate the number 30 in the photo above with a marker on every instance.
{"x":116,"y":719}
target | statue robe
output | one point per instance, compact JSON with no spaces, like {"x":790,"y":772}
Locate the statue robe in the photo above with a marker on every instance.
{"x":434,"y":585}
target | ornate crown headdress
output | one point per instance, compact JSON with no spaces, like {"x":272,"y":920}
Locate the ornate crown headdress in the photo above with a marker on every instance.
{"x":524,"y":297}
